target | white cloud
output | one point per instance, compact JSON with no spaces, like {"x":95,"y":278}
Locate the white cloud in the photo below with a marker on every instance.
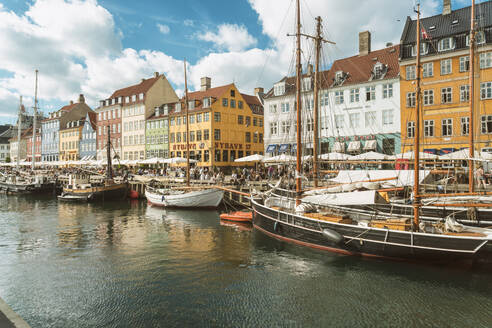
{"x":230,"y":37}
{"x":164,"y":29}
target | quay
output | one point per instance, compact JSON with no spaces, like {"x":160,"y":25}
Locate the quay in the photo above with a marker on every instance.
{"x":10,"y":319}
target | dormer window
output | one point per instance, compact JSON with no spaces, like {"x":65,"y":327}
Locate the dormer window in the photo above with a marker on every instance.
{"x":191,"y":104}
{"x":279,"y":89}
{"x":178,"y":108}
{"x":141,"y":96}
{"x":306,"y":84}
{"x":378,"y":70}
{"x":339,"y":78}
{"x":120,"y":100}
{"x":156,"y":111}
{"x":446,"y":44}
{"x":479,"y":38}
{"x":134,"y":98}
{"x":424,"y":49}
{"x":166,"y":109}
{"x":206,"y":102}
{"x":127,"y":99}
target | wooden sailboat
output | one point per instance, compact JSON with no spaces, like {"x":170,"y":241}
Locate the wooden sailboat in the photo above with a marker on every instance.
{"x":185,"y":197}
{"x":364,"y":233}
{"x":81,"y":190}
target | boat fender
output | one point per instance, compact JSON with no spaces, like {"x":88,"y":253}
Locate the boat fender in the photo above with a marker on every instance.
{"x":332,"y":236}
{"x":276,"y":227}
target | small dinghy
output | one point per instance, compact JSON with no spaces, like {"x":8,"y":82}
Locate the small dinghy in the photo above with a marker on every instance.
{"x":237,"y":216}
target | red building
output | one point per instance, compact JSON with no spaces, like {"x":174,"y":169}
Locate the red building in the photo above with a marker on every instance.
{"x":28,"y":136}
{"x":109,"y":115}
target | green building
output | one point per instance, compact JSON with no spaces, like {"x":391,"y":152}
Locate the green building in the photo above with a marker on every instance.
{"x":157,"y":133}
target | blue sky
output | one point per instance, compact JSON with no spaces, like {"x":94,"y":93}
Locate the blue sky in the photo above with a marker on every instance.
{"x":95,"y":47}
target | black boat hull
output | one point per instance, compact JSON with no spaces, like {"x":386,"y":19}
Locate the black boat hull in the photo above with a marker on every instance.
{"x":370,"y":242}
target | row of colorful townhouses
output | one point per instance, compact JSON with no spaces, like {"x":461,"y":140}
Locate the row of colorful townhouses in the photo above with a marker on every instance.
{"x":367,"y":102}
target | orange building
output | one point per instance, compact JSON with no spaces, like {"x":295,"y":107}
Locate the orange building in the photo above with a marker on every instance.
{"x":445,"y":63}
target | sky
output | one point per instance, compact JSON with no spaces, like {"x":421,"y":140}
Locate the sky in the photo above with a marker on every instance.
{"x":95,"y":47}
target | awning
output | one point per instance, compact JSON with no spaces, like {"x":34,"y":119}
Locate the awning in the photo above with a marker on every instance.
{"x":370,"y":145}
{"x":430,"y":151}
{"x":284,"y":148}
{"x":271,"y":148}
{"x":444,"y":151}
{"x":353,"y":146}
{"x":338,"y":147}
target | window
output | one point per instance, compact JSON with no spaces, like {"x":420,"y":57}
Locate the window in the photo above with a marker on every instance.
{"x":464,"y":93}
{"x":225,"y":102}
{"x":260,"y":122}
{"x":240,"y":104}
{"x":411,"y":72}
{"x":486,"y":125}
{"x":338,"y":97}
{"x":325,"y":98}
{"x":446,"y":95}
{"x":248,"y":121}
{"x":465,"y":126}
{"x":240,"y":119}
{"x":273,"y":128}
{"x":446,"y":66}
{"x":206,"y":102}
{"x":464,"y":63}
{"x":192,"y":136}
{"x":354,"y":120}
{"x":428,"y":97}
{"x":216,"y":116}
{"x":273,"y":108}
{"x":285,"y":127}
{"x":424,"y":49}
{"x":255,"y":121}
{"x":387,"y":117}
{"x":410,"y":129}
{"x":206,"y":134}
{"x":198,"y":135}
{"x":428,"y":128}
{"x":177,"y":109}
{"x":486,"y":60}
{"x":192,"y":119}
{"x":178,"y":136}
{"x":233,"y":103}
{"x":378,"y":70}
{"x":279,"y":89}
{"x":339,"y":121}
{"x":339,"y":76}
{"x":486,"y":90}
{"x":134,"y":97}
{"x":198,"y":118}
{"x":306,"y":84}
{"x":354,"y":95}
{"x":233,"y":93}
{"x":428,"y":69}
{"x":370,"y":93}
{"x":446,"y":44}
{"x":411,"y":99}
{"x":248,"y":136}
{"x":178,"y":120}
{"x":310,"y":125}
{"x":206,"y":117}
{"x":217,"y":134}
{"x":447,"y":127}
{"x":388,"y":90}
{"x":370,"y":118}
{"x":284,"y":107}
{"x":171,"y":121}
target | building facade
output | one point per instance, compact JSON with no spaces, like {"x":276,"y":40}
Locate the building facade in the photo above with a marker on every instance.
{"x":445,"y":62}
{"x":70,"y":136}
{"x":224,"y":125}
{"x":6,"y":132}
{"x":87,"y":146}
{"x":157,"y":133}
{"x":109,"y":115}
{"x":360,"y":102}
{"x":29,"y":143}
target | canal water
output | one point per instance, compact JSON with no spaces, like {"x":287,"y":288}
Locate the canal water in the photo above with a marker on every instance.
{"x":129,"y":265}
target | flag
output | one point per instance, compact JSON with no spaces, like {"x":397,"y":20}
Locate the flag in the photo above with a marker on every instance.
{"x":425,"y":35}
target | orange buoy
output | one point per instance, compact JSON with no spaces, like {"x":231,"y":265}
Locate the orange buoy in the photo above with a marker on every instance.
{"x":237,"y":216}
{"x":133,"y":194}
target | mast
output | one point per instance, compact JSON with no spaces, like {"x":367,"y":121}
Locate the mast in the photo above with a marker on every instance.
{"x":187,"y":130}
{"x":316,"y":105}
{"x":19,"y":132}
{"x":471,"y":96}
{"x":298,"y":104}
{"x":416,"y":200}
{"x":34,"y":123}
{"x":109,"y":169}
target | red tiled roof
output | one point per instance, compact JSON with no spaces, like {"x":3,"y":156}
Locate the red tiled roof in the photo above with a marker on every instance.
{"x":136,"y":89}
{"x":359,"y":68}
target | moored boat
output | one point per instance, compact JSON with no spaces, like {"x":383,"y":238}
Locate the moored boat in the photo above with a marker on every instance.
{"x":203,"y":198}
{"x":238,"y":216}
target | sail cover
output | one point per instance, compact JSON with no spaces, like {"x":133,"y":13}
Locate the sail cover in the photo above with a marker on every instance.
{"x":367,"y":197}
{"x":402,"y":177}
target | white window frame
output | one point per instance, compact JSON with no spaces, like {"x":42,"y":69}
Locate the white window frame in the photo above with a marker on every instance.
{"x":447,"y":127}
{"x":428,"y":69}
{"x":446,"y":66}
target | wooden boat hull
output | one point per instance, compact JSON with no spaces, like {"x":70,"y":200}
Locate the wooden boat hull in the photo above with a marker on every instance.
{"x":370,"y":242}
{"x":237,"y":216}
{"x":94,"y":194}
{"x":26,"y":188}
{"x":208,"y":198}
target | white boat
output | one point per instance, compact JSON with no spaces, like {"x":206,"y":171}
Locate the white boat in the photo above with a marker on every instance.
{"x":208,"y":198}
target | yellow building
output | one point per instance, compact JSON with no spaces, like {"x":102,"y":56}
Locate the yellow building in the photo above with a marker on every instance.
{"x":70,"y":136}
{"x":224,"y":125}
{"x":445,"y":121}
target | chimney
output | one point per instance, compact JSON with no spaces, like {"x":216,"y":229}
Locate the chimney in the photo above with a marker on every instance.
{"x":81,"y":98}
{"x":364,"y":43}
{"x":446,"y":7}
{"x":205,"y":83}
{"x":258,"y":91}
{"x":156,"y":74}
{"x":71,"y":102}
{"x":310,"y":69}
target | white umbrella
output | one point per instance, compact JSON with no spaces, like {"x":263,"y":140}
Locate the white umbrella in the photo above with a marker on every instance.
{"x":279,"y":158}
{"x":177,"y":160}
{"x":410,"y":155}
{"x":153,"y":160}
{"x":372,"y":155}
{"x":250,"y":158}
{"x":334,"y":156}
